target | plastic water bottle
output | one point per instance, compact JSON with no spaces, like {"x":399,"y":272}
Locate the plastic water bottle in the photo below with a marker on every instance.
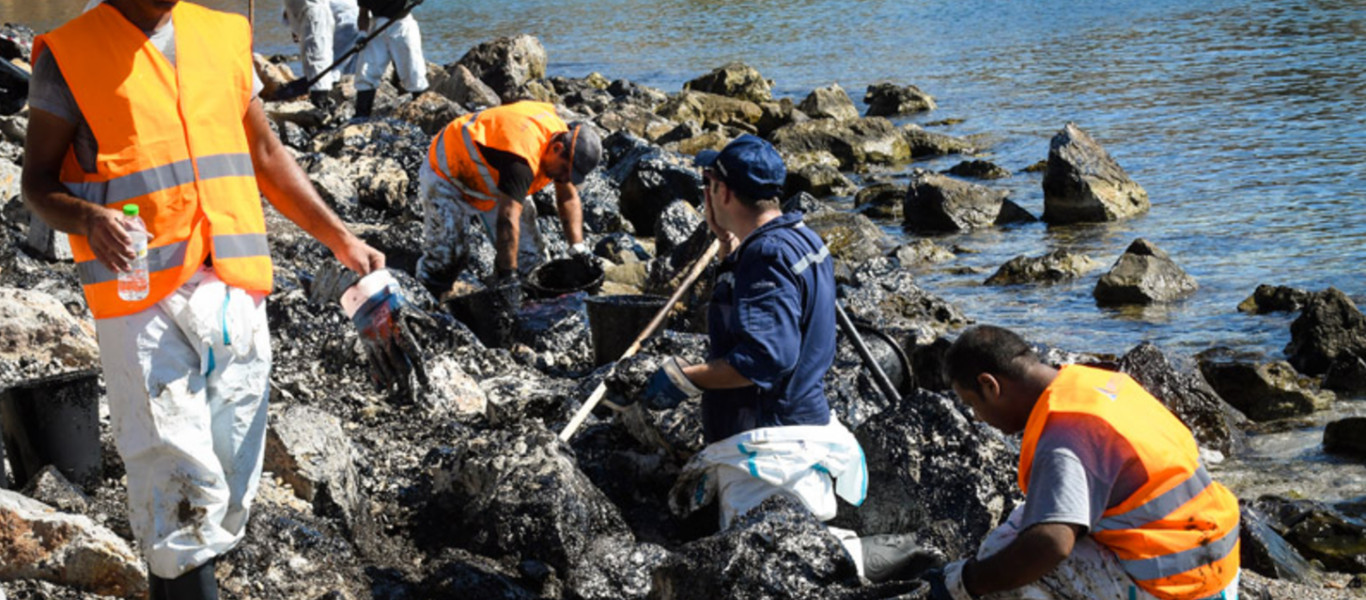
{"x":133,"y":283}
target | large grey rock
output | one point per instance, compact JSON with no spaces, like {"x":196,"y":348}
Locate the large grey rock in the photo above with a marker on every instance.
{"x":1185,"y":392}
{"x":613,"y":570}
{"x":1144,"y":274}
{"x":707,"y":108}
{"x":736,"y":80}
{"x":1084,"y":185}
{"x":857,"y":144}
{"x":926,"y":144}
{"x":308,"y":449}
{"x":1319,"y":531}
{"x":937,"y":202}
{"x":1347,"y":375}
{"x":506,"y":64}
{"x":431,"y":111}
{"x":849,"y":236}
{"x":464,"y":88}
{"x":819,"y":180}
{"x":888,"y":99}
{"x":637,"y":120}
{"x":1056,"y":266}
{"x":37,"y":542}
{"x":40,"y":339}
{"x":921,"y":252}
{"x":1262,"y":391}
{"x":777,"y":550}
{"x":653,"y":181}
{"x":935,"y":473}
{"x":777,"y":114}
{"x":1329,"y":328}
{"x":518,"y":493}
{"x":1267,"y":553}
{"x":381,"y":183}
{"x":50,"y":487}
{"x":678,"y":222}
{"x":452,"y":393}
{"x":1346,"y":436}
{"x":830,"y":102}
{"x":883,"y":200}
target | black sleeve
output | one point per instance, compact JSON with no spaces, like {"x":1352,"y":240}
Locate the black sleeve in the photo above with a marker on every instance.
{"x":514,"y":174}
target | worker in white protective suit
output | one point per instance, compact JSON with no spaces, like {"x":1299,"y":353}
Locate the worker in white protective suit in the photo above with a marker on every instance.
{"x":399,"y":43}
{"x":315,"y":27}
{"x":186,"y":362}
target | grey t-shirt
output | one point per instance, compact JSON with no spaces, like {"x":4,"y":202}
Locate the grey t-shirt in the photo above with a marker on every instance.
{"x":1081,"y":468}
{"x":48,"y":91}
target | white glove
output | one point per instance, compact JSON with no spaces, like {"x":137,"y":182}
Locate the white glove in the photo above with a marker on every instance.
{"x":953,"y":579}
{"x":578,"y":249}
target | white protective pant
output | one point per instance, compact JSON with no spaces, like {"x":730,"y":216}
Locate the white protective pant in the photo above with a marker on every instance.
{"x":313,"y":24}
{"x":803,"y":462}
{"x":345,"y":13}
{"x":1091,"y":572}
{"x":452,"y":227}
{"x":187,"y":382}
{"x":400,"y":43}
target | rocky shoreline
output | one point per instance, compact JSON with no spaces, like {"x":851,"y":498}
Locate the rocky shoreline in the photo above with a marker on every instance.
{"x":465,"y":491}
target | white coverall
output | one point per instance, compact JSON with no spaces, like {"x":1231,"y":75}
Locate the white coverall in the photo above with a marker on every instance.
{"x":313,"y":23}
{"x":401,"y":43}
{"x":187,"y":382}
{"x":1091,"y":572}
{"x":745,"y":469}
{"x":452,"y":228}
{"x":345,"y":13}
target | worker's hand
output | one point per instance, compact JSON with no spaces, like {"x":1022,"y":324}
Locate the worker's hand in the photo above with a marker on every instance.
{"x":583,"y":256}
{"x":109,"y":239}
{"x":385,"y":320}
{"x":359,"y":256}
{"x":947,"y":583}
{"x":669,"y":386}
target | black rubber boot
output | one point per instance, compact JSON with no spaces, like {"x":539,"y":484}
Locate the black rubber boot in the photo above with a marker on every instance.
{"x":897,"y":557}
{"x":320,"y":99}
{"x":198,"y":583}
{"x":365,"y":102}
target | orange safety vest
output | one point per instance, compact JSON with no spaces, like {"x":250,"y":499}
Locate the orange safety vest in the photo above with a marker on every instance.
{"x":171,"y":140}
{"x":1177,"y":535}
{"x":522,"y":128}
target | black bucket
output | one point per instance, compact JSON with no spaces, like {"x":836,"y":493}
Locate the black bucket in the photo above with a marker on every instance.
{"x":564,"y":276}
{"x":480,"y":311}
{"x":616,"y":321}
{"x":55,"y":422}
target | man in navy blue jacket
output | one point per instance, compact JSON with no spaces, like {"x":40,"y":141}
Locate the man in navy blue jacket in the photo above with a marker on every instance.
{"x":765,"y":417}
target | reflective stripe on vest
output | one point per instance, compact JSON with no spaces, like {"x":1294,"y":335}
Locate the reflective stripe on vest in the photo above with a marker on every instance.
{"x":165,"y":177}
{"x":170,"y":139}
{"x":445,"y":170}
{"x":1177,"y":534}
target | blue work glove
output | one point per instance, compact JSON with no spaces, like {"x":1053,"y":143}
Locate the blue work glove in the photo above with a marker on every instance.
{"x":669,"y":387}
{"x":384,"y":319}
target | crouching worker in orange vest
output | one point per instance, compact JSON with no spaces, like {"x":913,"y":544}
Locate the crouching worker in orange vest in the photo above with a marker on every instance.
{"x":152,"y":103}
{"x":1117,"y":504}
{"x":475,"y":186}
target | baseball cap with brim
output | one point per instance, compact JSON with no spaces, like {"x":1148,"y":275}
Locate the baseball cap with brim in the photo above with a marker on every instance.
{"x":749,"y":165}
{"x":586,"y":151}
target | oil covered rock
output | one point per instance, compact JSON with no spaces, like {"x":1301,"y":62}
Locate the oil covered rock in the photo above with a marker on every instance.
{"x":777,"y":550}
{"x":934,"y":473}
{"x":518,"y":493}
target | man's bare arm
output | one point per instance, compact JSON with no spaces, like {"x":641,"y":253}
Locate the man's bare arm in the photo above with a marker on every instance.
{"x":48,"y":140}
{"x":290,"y":191}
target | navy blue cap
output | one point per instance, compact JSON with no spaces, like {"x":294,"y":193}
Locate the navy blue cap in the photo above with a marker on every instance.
{"x":749,"y":165}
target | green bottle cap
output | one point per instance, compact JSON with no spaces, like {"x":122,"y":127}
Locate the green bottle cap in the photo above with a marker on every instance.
{"x":130,"y":210}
